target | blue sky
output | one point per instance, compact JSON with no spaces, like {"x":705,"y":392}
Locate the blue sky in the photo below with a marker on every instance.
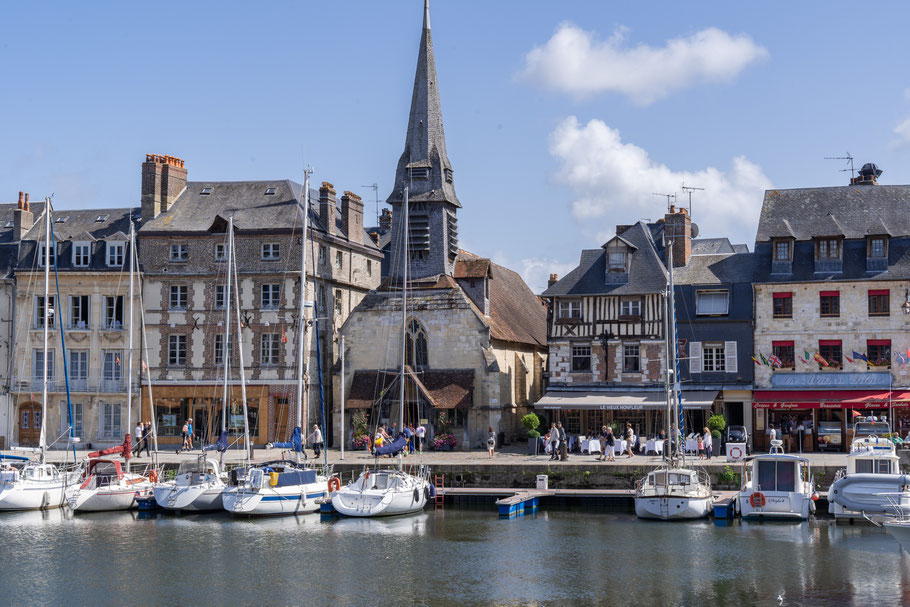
{"x":561,"y":117}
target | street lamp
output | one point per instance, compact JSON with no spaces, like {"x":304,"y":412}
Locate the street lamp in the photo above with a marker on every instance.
{"x":906,"y":305}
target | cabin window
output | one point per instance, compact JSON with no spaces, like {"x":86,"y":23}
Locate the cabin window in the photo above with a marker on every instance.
{"x":581,"y":358}
{"x":873,"y":466}
{"x":713,"y":303}
{"x":776,"y":476}
{"x":570,"y":309}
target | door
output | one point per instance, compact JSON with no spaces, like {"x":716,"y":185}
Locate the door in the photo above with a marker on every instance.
{"x":281,"y":424}
{"x":29,"y":424}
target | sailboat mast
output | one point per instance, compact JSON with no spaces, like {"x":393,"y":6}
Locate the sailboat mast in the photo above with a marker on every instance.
{"x":668,"y":377}
{"x":129,"y":346}
{"x":301,"y":337}
{"x":146,"y":367}
{"x":225,"y":347}
{"x":673,"y":345}
{"x":246,"y":426}
{"x":404,"y":322}
{"x":42,"y":440}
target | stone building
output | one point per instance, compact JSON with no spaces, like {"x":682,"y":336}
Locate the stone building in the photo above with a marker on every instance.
{"x":91,"y":250}
{"x":183,"y":244}
{"x":832,"y":307}
{"x":476,"y":333}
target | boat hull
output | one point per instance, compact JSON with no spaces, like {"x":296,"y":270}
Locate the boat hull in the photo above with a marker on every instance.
{"x":374,"y":502}
{"x":778,"y":505}
{"x":190,"y":498}
{"x":32,"y":495}
{"x":271,"y":501}
{"x":673,"y":508}
{"x":899,"y":530}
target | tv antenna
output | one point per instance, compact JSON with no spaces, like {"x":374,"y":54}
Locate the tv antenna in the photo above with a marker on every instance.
{"x":847,"y":158}
{"x":669,"y":196}
{"x":375,"y":188}
{"x":688,"y":189}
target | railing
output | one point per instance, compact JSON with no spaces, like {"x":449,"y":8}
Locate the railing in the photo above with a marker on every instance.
{"x":91,"y":385}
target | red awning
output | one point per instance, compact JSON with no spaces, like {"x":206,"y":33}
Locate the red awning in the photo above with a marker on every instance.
{"x":829,"y":399}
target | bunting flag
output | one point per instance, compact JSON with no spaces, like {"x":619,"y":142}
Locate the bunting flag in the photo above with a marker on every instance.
{"x":777,"y":362}
{"x":849,"y":360}
{"x":764,"y":360}
{"x":757,"y":362}
{"x":284,"y":337}
{"x":820,"y":360}
{"x":802,"y":360}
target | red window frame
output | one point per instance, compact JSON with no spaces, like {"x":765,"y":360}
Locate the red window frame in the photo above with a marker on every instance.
{"x":832,"y":351}
{"x":878,"y":351}
{"x":785,"y":351}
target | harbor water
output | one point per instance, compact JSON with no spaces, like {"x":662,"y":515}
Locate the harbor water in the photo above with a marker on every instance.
{"x":457,"y":557}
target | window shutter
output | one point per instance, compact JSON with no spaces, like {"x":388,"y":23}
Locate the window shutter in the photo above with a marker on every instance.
{"x":730,"y":356}
{"x":695,"y":359}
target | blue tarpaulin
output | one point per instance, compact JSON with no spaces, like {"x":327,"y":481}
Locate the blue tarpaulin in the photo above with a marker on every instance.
{"x":220,"y":445}
{"x":393,"y":448}
{"x":295,"y":444}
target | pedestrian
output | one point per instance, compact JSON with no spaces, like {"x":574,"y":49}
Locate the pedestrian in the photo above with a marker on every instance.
{"x":630,"y":437}
{"x":611,"y":445}
{"x":554,"y":442}
{"x":701,"y":447}
{"x":409,"y":432}
{"x":189,"y":424}
{"x":316,"y":435}
{"x":772,"y":433}
{"x":563,"y":443}
{"x":147,"y":438}
{"x":603,"y":444}
{"x":421,"y":433}
{"x":709,"y":444}
{"x":491,"y":441}
{"x":184,"y":434}
{"x":137,"y":436}
{"x":379,"y":439}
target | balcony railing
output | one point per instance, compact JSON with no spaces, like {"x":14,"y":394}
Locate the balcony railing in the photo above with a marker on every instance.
{"x":56,"y":384}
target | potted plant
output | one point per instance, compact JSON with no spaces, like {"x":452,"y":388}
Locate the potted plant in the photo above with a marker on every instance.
{"x":716,"y":424}
{"x":361,"y":433}
{"x":531,"y":423}
{"x":444,"y":440}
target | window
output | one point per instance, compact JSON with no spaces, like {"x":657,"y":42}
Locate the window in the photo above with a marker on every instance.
{"x":179,"y":252}
{"x":713,"y":358}
{"x":782,"y":250}
{"x":581,"y":358}
{"x":78,"y":370}
{"x":43,"y":254}
{"x":832,"y":352}
{"x":176,"y":350}
{"x":101,"y":218}
{"x":219,"y":350}
{"x":82,"y":253}
{"x":784,"y":351}
{"x":269,"y":349}
{"x":416,"y":346}
{"x":220,"y":249}
{"x":630,"y":307}
{"x":570,"y":309}
{"x":115,"y":253}
{"x":219,"y":297}
{"x":270,"y":191}
{"x":79,"y":312}
{"x":322,"y":254}
{"x":111,"y":370}
{"x":206,"y":192}
{"x":369,"y":267}
{"x":320,"y":297}
{"x":178,"y":297}
{"x":783,"y":305}
{"x":877,"y":248}
{"x":270,"y":296}
{"x":631,"y":358}
{"x":712,"y":303}
{"x":338,"y":301}
{"x":879,"y":302}
{"x":339,"y":260}
{"x":113,"y":312}
{"x":38,"y":365}
{"x":829,"y":303}
{"x":65,"y":419}
{"x":617,"y":261}
{"x":827,"y":248}
{"x":878,"y":351}
{"x":271,"y":251}
{"x":110,"y":421}
{"x":39,"y":311}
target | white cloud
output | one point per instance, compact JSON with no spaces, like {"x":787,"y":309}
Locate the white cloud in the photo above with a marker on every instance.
{"x":902,"y":131}
{"x":614,"y":184}
{"x":535,"y":270}
{"x":574,"y":61}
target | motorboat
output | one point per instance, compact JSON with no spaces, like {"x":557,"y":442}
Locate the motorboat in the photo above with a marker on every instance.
{"x":104,"y":485}
{"x":383,"y":493}
{"x":197,"y":487}
{"x":277,"y":487}
{"x":871,"y":483}
{"x":671,"y":493}
{"x":899,"y":529}
{"x":777,"y":485}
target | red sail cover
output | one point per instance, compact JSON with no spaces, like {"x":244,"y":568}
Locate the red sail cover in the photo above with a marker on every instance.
{"x":126,"y":450}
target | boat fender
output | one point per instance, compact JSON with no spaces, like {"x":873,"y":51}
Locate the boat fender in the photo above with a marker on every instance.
{"x":153,"y":476}
{"x":334,"y":484}
{"x":416,"y":495}
{"x":432,"y":490}
{"x":757,"y":500}
{"x":426,"y":493}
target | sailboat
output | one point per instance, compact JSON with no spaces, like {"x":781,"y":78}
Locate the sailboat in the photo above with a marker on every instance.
{"x":36,"y":485}
{"x":106,"y":484}
{"x":673,"y":491}
{"x":279,"y":486}
{"x":387,"y":492}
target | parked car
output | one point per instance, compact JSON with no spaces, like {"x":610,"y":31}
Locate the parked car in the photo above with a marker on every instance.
{"x":738,"y":434}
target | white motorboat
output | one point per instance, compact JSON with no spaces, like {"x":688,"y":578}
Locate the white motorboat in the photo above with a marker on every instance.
{"x":197,"y":487}
{"x":105,"y":486}
{"x":383,"y":493}
{"x":670,"y":493}
{"x":278,"y":487}
{"x":777,"y":485}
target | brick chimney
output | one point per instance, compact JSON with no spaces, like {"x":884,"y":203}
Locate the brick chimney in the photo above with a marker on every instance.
{"x":385,"y":220}
{"x":678,"y":235}
{"x":163,"y":180}
{"x":868,"y":175}
{"x":352,"y":216}
{"x":554,"y":278}
{"x":327,"y":207}
{"x":23,"y":218}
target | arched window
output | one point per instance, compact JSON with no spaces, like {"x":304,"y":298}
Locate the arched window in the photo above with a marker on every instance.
{"x":416,"y":353}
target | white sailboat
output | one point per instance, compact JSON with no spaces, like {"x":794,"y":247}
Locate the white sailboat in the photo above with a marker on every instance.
{"x":105,"y":484}
{"x":389,"y":492}
{"x":36,"y":485}
{"x":673,"y":491}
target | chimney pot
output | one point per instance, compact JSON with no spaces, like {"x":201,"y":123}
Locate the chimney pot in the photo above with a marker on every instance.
{"x":25,"y":204}
{"x":554,"y":278}
{"x":19,"y":206}
{"x":352,"y":216}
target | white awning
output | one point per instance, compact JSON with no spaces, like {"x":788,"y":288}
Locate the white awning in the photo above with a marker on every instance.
{"x":580,"y":400}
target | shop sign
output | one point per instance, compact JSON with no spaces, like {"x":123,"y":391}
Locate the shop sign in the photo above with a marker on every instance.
{"x":621,"y":407}
{"x":788,"y":406}
{"x":831,"y":380}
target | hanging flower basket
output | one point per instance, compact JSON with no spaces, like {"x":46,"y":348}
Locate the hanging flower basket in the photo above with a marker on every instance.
{"x":444,"y":442}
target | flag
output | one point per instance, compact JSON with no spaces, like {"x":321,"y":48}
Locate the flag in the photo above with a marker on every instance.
{"x":900,"y":359}
{"x":284,"y":337}
{"x":757,"y":362}
{"x":908,"y":352}
{"x":808,"y":356}
{"x":849,"y":360}
{"x":776,"y":361}
{"x":764,"y":360}
{"x":855,"y":413}
{"x":802,"y":360}
{"x":820,"y":360}
{"x":117,"y":358}
{"x":859,"y":356}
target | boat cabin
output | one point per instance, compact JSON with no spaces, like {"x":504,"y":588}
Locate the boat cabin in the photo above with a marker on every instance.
{"x":663,"y":481}
{"x":199,"y":471}
{"x":280,"y":474}
{"x":872,"y":455}
{"x":105,"y":472}
{"x":39,"y":472}
{"x":780,"y":473}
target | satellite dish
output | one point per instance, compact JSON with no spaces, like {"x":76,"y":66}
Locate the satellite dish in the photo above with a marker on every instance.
{"x":694,"y":230}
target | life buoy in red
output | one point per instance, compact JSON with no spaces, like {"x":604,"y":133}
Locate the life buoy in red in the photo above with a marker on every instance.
{"x":153,"y":476}
{"x":736,"y":452}
{"x":757,"y":500}
{"x":334,"y":484}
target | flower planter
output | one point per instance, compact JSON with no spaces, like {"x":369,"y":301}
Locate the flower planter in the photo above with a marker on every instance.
{"x":444,"y":448}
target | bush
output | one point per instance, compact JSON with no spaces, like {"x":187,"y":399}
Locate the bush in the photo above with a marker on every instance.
{"x":716,"y":424}
{"x":531,"y":422}
{"x":444,"y":424}
{"x":727,"y":477}
{"x":361,"y":441}
{"x":359,"y":421}
{"x":444,"y":439}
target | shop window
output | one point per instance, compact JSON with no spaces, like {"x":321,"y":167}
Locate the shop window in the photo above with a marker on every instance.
{"x":631,"y":358}
{"x":713,"y":357}
{"x":832,"y":352}
{"x":711,"y":303}
{"x":879,"y":302}
{"x":784,"y":351}
{"x":783,"y":305}
{"x":878,"y":351}
{"x":573,"y":422}
{"x":829,"y":303}
{"x":581,"y":358}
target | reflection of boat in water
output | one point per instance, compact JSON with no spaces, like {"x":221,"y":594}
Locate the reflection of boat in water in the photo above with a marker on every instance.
{"x":415,"y":525}
{"x":29,"y":518}
{"x":780,"y":530}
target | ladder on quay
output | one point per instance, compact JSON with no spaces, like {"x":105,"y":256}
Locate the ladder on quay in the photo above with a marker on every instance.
{"x":439,"y":497}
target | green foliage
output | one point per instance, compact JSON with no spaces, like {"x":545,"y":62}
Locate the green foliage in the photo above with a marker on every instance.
{"x":727,"y":477}
{"x":715,"y":433}
{"x":533,"y":434}
{"x":716,"y":424}
{"x":531,"y":422}
{"x":359,"y":421}
{"x":444,"y":423}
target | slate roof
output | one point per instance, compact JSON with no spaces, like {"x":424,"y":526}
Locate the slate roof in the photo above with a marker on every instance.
{"x":852,"y":211}
{"x":7,"y":210}
{"x":516,"y":314}
{"x":443,"y":388}
{"x":647,"y":273}
{"x":725,"y":268}
{"x":711,"y":246}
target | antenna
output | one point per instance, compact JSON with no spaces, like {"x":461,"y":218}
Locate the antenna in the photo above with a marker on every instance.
{"x":688,"y":189}
{"x":375,"y":188}
{"x":669,"y":196}
{"x":848,"y":158}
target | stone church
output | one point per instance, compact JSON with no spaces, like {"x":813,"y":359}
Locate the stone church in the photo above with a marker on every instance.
{"x":475,"y":336}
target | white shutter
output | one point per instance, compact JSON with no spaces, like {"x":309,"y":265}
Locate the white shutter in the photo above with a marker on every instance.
{"x":730,"y":356}
{"x":695,"y":359}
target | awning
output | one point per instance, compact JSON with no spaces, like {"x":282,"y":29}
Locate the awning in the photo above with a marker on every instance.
{"x":581,"y":400}
{"x":830,"y":399}
{"x":444,"y":389}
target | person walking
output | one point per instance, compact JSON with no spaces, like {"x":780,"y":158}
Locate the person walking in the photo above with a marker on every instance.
{"x":189,"y":429}
{"x":421,"y":432}
{"x":147,"y":438}
{"x":603,"y":444}
{"x":184,"y":434}
{"x":630,"y":438}
{"x":554,"y":442}
{"x":611,"y":445}
{"x":491,"y":441}
{"x":563,"y":443}
{"x":316,"y":435}
{"x":137,"y":436}
{"x":709,"y":443}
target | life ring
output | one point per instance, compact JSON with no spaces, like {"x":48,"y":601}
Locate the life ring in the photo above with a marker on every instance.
{"x":757,"y":500}
{"x":334,"y":484}
{"x":153,"y":476}
{"x":736,"y":452}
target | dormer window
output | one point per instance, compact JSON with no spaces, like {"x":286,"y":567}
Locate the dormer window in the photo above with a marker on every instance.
{"x":827,"y":249}
{"x":783,"y":250}
{"x":878,"y":247}
{"x":616,"y":261}
{"x":115,"y":254}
